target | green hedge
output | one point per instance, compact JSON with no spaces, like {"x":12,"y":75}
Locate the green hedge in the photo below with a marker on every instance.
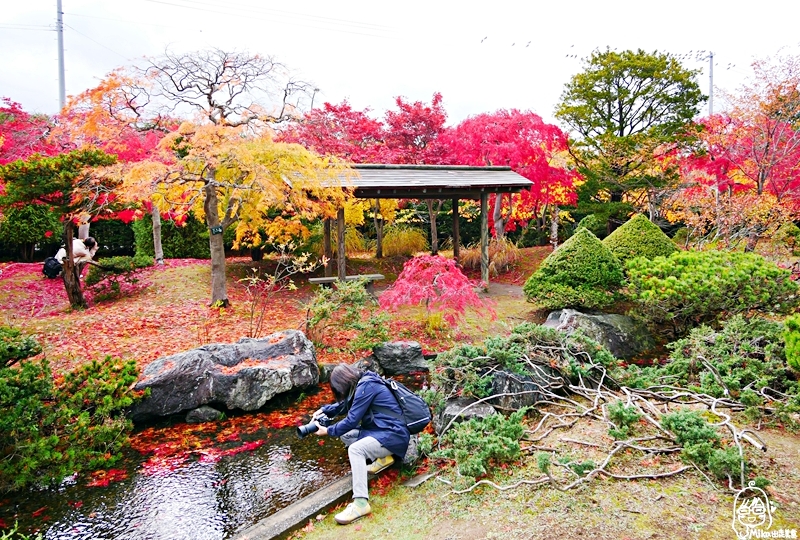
{"x":113,"y":236}
{"x":23,"y":228}
{"x":581,"y":273}
{"x":189,"y":241}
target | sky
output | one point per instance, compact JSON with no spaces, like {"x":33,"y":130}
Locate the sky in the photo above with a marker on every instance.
{"x":481,"y":56}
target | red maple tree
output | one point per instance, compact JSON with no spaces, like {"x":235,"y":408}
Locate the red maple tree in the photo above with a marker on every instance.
{"x":439,"y":284}
{"x":520,"y":140}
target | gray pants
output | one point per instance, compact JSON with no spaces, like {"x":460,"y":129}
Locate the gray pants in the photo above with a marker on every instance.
{"x":359,"y":452}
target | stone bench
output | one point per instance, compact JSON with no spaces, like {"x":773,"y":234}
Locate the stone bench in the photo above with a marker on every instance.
{"x":368,"y":278}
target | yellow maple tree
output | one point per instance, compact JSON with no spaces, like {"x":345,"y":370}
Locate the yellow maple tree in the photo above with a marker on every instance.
{"x":229,"y":177}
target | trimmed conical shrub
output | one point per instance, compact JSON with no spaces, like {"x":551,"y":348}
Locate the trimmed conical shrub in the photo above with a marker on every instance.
{"x":639,"y":237}
{"x":582,"y":272}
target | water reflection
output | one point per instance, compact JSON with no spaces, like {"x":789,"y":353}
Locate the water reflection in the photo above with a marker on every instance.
{"x":195,"y":499}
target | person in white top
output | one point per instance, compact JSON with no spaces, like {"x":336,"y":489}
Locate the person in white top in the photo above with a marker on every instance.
{"x":82,"y":252}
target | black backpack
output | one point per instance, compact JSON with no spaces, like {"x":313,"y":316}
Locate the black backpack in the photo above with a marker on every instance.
{"x":416,"y":413}
{"x":51,"y":268}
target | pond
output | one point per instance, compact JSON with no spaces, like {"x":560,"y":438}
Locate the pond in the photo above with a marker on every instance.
{"x":190,"y":481}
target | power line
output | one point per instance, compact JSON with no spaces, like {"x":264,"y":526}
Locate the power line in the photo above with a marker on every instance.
{"x":322,"y":18}
{"x":97,"y":42}
{"x":221,"y":11}
{"x":72,"y":14}
{"x":12,"y":26}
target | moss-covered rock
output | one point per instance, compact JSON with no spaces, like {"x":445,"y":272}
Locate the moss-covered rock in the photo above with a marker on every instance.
{"x":639,"y":237}
{"x":582,"y":272}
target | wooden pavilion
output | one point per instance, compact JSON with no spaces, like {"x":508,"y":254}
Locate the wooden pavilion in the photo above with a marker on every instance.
{"x":381,"y":181}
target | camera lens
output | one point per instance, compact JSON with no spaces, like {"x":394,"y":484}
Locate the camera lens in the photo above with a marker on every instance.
{"x":307,"y":429}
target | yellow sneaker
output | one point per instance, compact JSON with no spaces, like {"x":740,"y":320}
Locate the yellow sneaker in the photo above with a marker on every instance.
{"x":379,"y":464}
{"x":352,"y":513}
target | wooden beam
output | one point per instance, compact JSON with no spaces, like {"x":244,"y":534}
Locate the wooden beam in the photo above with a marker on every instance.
{"x":456,"y":237}
{"x":485,"y":239}
{"x":406,"y":193}
{"x":327,"y":246}
{"x":340,"y":253}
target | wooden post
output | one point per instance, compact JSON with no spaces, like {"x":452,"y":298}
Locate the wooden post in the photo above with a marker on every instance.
{"x":485,"y":239}
{"x":326,"y":246}
{"x":340,"y":255}
{"x":456,"y":236}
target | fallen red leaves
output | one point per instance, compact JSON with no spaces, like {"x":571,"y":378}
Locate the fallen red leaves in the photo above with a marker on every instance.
{"x":104,"y":478}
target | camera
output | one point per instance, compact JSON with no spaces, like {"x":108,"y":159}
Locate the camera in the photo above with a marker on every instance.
{"x":311,"y":427}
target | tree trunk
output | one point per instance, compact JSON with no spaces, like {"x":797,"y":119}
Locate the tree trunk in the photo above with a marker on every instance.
{"x":72,"y":282}
{"x":752,"y":242}
{"x":378,"y":218}
{"x":456,"y":233}
{"x":341,"y":254}
{"x":219,"y":289}
{"x":434,"y":234}
{"x":159,"y":250}
{"x":554,"y":226}
{"x":497,"y":217}
{"x":485,"y":239}
{"x":327,"y":247}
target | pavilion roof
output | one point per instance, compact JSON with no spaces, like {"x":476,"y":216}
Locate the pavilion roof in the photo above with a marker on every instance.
{"x":384,"y":181}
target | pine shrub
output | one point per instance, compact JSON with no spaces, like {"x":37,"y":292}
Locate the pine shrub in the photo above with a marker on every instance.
{"x":639,"y":237}
{"x":468,"y":370}
{"x":690,"y":288}
{"x":51,"y":427}
{"x":117,"y":276}
{"x":791,"y":337}
{"x":581,"y":273}
{"x":477,"y":445}
{"x":15,"y":347}
{"x":702,"y":444}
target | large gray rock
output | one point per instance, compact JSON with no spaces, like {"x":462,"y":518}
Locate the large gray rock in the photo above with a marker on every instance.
{"x":462,"y":409}
{"x":203,"y":414}
{"x":624,"y":337}
{"x":243,"y":375}
{"x":513,"y":391}
{"x":399,"y":357}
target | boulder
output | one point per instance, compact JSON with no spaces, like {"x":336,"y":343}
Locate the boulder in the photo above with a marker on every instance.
{"x":203,"y":414}
{"x":243,"y":375}
{"x":514,"y":391}
{"x":399,"y":357}
{"x":455,"y":408}
{"x":624,"y":337}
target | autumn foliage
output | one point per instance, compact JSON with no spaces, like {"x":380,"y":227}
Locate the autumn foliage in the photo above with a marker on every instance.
{"x":438,"y":284}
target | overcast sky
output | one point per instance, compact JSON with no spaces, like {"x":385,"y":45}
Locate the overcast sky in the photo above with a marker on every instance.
{"x":482,"y":56}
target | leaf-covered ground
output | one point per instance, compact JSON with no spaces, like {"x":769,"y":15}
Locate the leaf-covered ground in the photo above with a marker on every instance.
{"x":172,"y":314}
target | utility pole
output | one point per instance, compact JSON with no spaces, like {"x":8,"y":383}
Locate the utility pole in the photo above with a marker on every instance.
{"x":62,"y":91}
{"x":710,"y":83}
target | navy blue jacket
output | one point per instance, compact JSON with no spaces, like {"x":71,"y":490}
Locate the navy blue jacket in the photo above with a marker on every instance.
{"x":388,"y":430}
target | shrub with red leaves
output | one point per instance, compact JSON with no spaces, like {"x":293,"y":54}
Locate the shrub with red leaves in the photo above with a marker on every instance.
{"x":439,"y":284}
